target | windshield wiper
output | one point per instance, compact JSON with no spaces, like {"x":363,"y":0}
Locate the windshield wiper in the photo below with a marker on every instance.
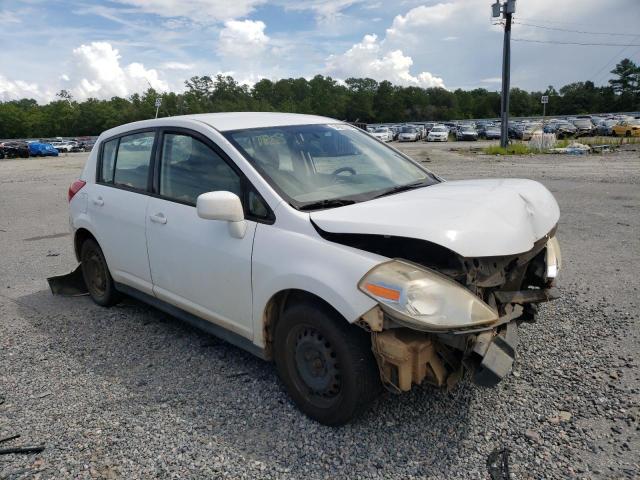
{"x":328,"y":203}
{"x":402,"y":188}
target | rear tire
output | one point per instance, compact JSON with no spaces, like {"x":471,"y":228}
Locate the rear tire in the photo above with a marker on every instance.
{"x":96,"y":274}
{"x":326,"y":364}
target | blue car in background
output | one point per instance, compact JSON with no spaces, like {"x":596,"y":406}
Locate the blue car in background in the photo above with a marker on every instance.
{"x":40,"y":149}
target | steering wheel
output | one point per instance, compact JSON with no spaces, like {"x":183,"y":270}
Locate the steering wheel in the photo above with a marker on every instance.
{"x":343,"y":169}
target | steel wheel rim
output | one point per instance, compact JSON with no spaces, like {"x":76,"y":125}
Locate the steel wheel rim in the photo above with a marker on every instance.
{"x":316,"y":369}
{"x":96,"y":275}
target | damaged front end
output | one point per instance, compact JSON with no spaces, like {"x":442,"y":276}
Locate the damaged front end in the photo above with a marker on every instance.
{"x":440,"y":315}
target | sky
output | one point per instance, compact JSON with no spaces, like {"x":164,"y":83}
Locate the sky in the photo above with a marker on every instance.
{"x":119,"y":47}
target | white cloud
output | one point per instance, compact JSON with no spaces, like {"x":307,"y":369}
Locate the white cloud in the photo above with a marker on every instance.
{"x":450,"y":38}
{"x":369,"y":59}
{"x":98,"y":73}
{"x":242,"y":39}
{"x":8,"y":16}
{"x":198,"y":10}
{"x":324,"y":10}
{"x":15,"y":90}
{"x":423,"y":16}
{"x":177,"y":66}
{"x":492,"y":80}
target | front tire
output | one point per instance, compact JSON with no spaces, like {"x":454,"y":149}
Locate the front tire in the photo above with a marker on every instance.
{"x":96,"y":274}
{"x":326,"y":364}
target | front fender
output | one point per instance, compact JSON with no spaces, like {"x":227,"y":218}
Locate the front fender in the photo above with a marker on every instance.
{"x":285,"y":260}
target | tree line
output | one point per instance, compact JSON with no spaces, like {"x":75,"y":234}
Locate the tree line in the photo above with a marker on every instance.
{"x":355,"y":99}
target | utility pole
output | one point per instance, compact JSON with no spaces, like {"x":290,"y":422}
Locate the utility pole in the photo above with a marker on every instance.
{"x":508,"y":8}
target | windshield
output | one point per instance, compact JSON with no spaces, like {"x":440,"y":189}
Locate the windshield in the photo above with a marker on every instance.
{"x":380,"y":130}
{"x":408,"y":130}
{"x":308,"y":164}
{"x":438,"y":129}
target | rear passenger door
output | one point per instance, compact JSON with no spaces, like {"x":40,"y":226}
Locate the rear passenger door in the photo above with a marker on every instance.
{"x":196,"y":264}
{"x":118,"y":206}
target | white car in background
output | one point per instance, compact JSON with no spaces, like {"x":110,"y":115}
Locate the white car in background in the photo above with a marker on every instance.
{"x":383,"y":134}
{"x":439,"y":133}
{"x":62,"y":146}
{"x":408,"y":134}
{"x":308,"y":243}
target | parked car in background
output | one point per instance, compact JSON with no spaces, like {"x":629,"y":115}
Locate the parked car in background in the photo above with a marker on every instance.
{"x":530,"y":129}
{"x":14,"y":149}
{"x":420,"y":129}
{"x":438,"y":133}
{"x":514,"y":130}
{"x":65,"y":146}
{"x":383,"y":134}
{"x":481,"y":128}
{"x":466,"y":132}
{"x":428,"y":126}
{"x":561,"y":128}
{"x":584,"y":127}
{"x":605,"y":127}
{"x":408,"y":134}
{"x":86,"y":144}
{"x":41,"y":149}
{"x":626,"y":128}
{"x":365,"y":270}
{"x":492,"y":132}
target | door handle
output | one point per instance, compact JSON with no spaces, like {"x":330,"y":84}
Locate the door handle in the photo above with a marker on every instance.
{"x":158,"y":218}
{"x":98,"y":201}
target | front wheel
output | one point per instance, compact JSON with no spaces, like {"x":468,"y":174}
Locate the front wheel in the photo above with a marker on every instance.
{"x":326,"y":364}
{"x":96,"y":274}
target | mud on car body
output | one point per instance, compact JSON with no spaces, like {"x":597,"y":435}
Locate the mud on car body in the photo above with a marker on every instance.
{"x":311,"y":244}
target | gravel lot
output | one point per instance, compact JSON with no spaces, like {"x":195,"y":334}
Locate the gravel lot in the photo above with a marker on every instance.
{"x":130,"y":392}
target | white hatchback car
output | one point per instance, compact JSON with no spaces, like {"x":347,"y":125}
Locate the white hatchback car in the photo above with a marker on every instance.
{"x":308,"y":242}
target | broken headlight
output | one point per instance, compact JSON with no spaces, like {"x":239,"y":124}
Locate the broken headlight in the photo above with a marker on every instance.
{"x":553,"y":258}
{"x":423,"y":299}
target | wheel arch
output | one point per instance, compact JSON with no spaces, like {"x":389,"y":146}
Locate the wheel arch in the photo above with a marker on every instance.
{"x":278,"y":304}
{"x":81,"y":235}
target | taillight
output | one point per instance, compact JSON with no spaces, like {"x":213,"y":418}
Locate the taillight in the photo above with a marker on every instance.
{"x":75,"y":188}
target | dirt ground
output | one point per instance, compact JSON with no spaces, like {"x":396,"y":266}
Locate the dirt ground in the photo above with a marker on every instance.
{"x":130,"y":393}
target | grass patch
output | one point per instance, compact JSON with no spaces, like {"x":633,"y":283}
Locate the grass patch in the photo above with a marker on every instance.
{"x":513,"y":149}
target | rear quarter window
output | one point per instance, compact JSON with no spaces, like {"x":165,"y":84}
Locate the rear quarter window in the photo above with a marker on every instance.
{"x":108,"y":162}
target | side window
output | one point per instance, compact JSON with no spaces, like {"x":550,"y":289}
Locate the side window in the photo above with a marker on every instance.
{"x":189,"y":167}
{"x":108,"y":160}
{"x":132,"y":161}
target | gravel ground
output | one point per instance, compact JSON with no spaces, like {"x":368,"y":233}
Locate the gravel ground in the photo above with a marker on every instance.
{"x":130,"y":392}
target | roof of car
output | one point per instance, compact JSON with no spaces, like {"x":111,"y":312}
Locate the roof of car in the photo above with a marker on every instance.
{"x":232,"y":120}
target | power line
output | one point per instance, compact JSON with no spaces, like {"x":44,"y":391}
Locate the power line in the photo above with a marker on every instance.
{"x":590,"y":44}
{"x":546,"y":20}
{"x":576,"y":31}
{"x":597,"y":76}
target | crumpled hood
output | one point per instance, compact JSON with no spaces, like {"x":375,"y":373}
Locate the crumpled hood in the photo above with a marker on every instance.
{"x":474,"y":218}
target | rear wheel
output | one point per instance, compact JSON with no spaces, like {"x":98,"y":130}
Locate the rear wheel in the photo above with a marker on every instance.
{"x":96,"y":274}
{"x":325,"y":363}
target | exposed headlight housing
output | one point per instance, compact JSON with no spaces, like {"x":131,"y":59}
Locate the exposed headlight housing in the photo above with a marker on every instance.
{"x":424,"y":299}
{"x":553,"y":258}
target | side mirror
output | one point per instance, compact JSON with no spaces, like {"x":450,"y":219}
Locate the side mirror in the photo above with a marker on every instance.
{"x":225,"y":206}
